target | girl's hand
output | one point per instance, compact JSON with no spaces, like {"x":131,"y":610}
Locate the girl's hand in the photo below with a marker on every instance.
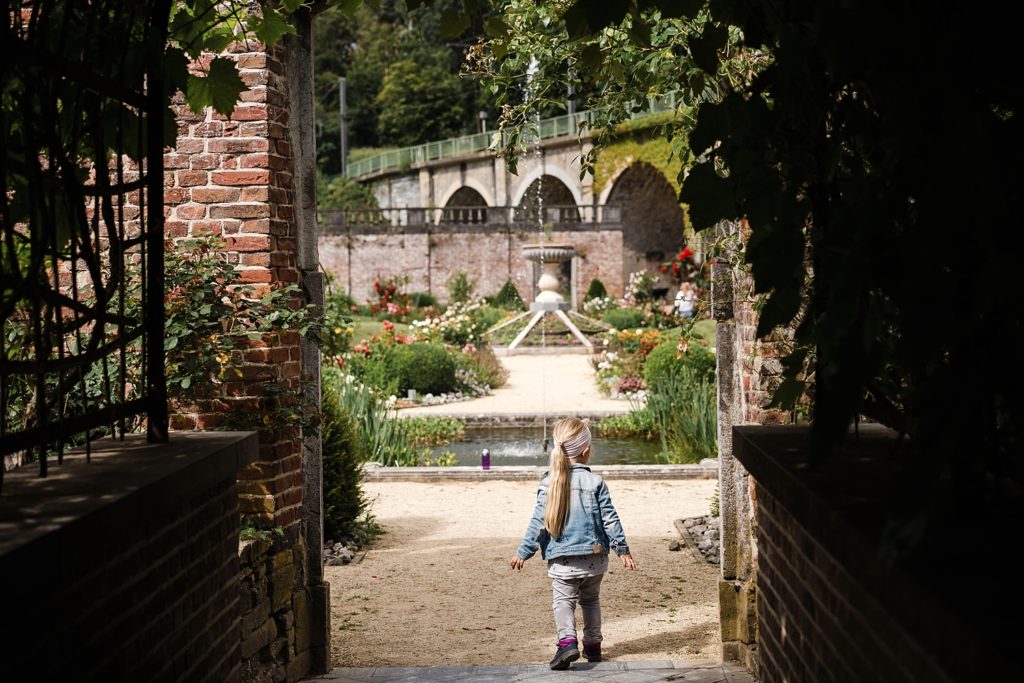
{"x":627,"y":562}
{"x":516,"y":562}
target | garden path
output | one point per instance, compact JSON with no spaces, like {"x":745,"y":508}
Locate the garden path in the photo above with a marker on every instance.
{"x":556,"y":384}
{"x":436,"y":588}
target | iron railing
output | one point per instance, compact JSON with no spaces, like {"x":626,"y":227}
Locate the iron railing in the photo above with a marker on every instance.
{"x":555,"y":127}
{"x":455,"y":217}
{"x":81,"y":163}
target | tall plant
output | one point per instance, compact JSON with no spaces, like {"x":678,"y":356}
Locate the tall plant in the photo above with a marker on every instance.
{"x":686,"y":416}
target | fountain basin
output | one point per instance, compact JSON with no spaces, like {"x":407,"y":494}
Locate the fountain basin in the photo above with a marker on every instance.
{"x":544,"y":253}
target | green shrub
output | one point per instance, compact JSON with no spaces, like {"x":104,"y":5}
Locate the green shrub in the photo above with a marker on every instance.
{"x":422,"y":299}
{"x":433,"y":431}
{"x":484,"y":367}
{"x":508,"y":298}
{"x":427,"y":368}
{"x":624,"y":318}
{"x":343,"y":458}
{"x":662,"y":363}
{"x":460,"y":287}
{"x":596,"y":290}
{"x":487,"y":317}
{"x":636,"y":423}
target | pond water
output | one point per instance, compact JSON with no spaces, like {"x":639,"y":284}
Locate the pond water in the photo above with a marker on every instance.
{"x":525,"y":447}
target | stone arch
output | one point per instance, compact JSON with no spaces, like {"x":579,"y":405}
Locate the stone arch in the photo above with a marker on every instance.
{"x":461,"y":188}
{"x":551,"y":192}
{"x":466,"y":196}
{"x":465,"y":205}
{"x":555,"y":173}
{"x":652,"y":220}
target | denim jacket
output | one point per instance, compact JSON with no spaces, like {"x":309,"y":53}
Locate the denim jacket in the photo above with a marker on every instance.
{"x":592,"y":525}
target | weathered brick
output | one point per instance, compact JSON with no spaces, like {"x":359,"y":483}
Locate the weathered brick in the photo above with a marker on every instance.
{"x":213,"y":195}
{"x":175,"y":161}
{"x":253,"y":60}
{"x":247,"y":177}
{"x":251,"y":112}
{"x":254,"y":194}
{"x":190,"y":211}
{"x":210,"y":129}
{"x":189,"y":146}
{"x":204,"y":162}
{"x":239,"y":145}
{"x":260,"y":160}
{"x":239,"y":210}
{"x":255,"y":275}
{"x":191,"y":178}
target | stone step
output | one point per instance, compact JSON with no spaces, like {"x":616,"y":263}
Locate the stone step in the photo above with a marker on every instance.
{"x":612,"y":672}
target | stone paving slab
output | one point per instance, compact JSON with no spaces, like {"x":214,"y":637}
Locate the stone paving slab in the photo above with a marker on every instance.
{"x":611,"y":672}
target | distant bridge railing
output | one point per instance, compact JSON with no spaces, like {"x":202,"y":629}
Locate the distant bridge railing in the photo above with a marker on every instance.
{"x":457,"y":218}
{"x":555,"y":127}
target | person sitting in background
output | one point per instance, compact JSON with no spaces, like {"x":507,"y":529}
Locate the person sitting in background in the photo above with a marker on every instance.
{"x":685,"y":300}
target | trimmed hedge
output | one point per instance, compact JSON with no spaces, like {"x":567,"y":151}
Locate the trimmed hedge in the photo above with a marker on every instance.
{"x":624,"y":318}
{"x":422,"y":299}
{"x":662,"y":364}
{"x":508,"y":298}
{"x":427,"y":368}
{"x":596,"y":290}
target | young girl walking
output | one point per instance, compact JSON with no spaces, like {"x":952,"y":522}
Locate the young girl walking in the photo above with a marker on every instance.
{"x":573,"y":525}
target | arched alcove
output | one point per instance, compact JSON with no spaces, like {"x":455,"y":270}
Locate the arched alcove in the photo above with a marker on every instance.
{"x":466,"y":205}
{"x":652,"y":220}
{"x":554,"y":196}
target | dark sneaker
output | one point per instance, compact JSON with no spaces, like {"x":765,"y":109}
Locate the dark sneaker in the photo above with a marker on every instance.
{"x":592,"y":652}
{"x":564,"y":656}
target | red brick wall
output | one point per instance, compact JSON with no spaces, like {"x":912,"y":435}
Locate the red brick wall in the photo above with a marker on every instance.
{"x":815,"y":623}
{"x":490,"y":258}
{"x":232,"y":177}
{"x":149,"y":600}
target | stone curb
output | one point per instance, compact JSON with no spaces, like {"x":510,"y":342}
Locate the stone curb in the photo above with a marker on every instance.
{"x":512,"y":420}
{"x":534,"y":473}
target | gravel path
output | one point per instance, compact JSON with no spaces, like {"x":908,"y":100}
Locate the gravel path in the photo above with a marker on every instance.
{"x":557,"y":384}
{"x":436,"y":589}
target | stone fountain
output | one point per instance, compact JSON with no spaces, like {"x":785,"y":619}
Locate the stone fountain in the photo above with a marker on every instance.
{"x":549,"y":300}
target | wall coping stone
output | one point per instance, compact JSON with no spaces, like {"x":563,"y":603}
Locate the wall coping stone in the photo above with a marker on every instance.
{"x":957,"y":608}
{"x":534,"y":472}
{"x":46,"y":519}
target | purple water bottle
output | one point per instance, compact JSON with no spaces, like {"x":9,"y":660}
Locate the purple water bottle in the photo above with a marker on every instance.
{"x":485,"y":459}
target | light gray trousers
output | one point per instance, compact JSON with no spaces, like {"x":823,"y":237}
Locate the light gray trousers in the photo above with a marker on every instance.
{"x":587,"y":592}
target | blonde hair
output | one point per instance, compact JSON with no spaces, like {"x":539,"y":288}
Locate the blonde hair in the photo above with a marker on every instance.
{"x":560,"y":485}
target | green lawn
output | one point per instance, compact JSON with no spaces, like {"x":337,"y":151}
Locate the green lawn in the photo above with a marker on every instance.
{"x":367,"y":327}
{"x":705,"y":329}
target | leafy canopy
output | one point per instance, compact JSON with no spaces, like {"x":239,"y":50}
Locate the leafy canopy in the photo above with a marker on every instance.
{"x":872,"y":155}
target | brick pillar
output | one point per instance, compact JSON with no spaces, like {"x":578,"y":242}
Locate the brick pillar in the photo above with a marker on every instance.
{"x":232,"y":177}
{"x":236,"y":177}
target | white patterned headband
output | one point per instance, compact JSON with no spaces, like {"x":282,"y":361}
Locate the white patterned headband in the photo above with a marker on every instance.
{"x":575,"y":446}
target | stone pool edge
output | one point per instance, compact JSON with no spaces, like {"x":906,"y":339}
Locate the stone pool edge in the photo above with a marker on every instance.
{"x":374,"y":472}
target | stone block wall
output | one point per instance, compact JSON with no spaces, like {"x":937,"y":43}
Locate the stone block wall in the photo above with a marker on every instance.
{"x":244,"y":178}
{"x":278,"y":626}
{"x":490,"y":255}
{"x":747,"y":369}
